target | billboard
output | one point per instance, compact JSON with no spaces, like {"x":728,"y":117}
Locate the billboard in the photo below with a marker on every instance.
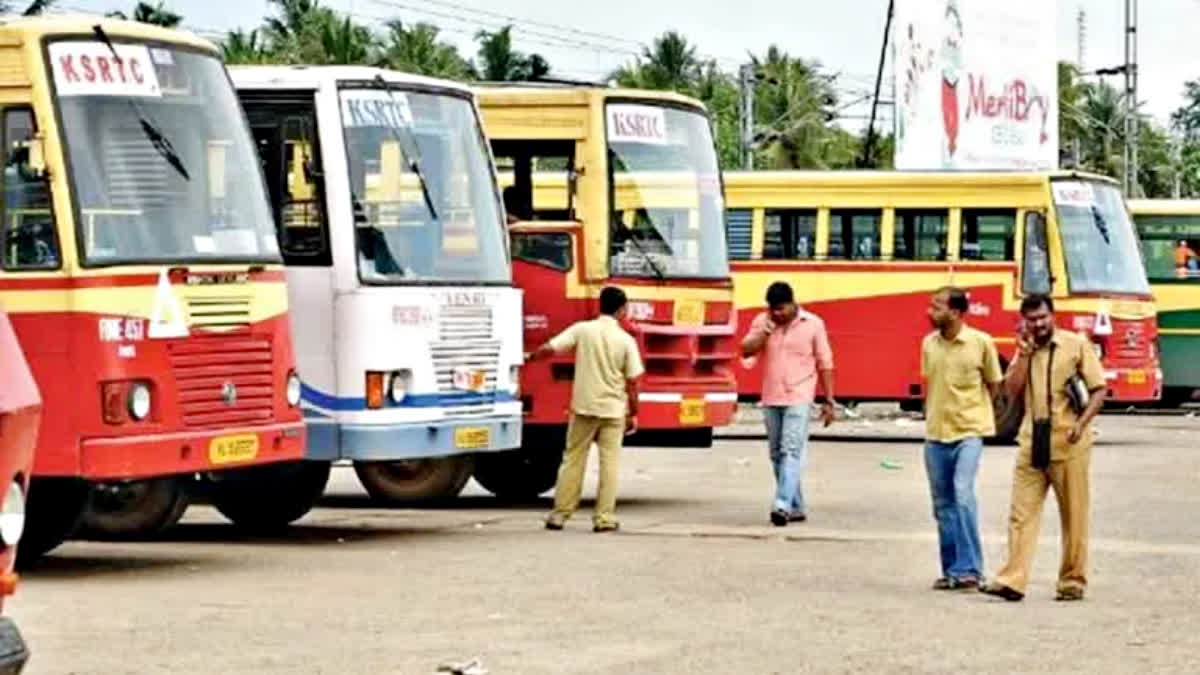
{"x":976,"y":84}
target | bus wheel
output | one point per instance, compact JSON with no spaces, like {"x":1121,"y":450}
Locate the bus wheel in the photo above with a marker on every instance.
{"x":415,"y":479}
{"x":1009,"y":414}
{"x":137,"y":509}
{"x":1175,"y":397}
{"x":523,"y":475}
{"x":52,"y":514}
{"x":269,"y":498}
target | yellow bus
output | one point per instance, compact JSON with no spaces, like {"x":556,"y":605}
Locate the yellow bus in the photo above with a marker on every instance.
{"x":1169,"y":230}
{"x":562,"y":152}
{"x":864,"y":249}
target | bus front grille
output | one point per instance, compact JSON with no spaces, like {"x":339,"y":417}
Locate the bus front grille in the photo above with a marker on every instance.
{"x":223,"y":381}
{"x":219,"y":313}
{"x":466,"y":358}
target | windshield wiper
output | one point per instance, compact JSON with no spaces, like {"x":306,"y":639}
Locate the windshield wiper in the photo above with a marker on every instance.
{"x":1098,"y":221}
{"x":646,"y":256}
{"x":157,"y":139}
{"x":414,"y":161}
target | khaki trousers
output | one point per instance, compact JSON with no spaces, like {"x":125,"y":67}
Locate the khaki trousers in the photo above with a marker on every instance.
{"x":1069,"y":478}
{"x":608,"y":435}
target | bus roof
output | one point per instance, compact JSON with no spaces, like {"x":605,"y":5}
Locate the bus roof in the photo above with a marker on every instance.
{"x":1165,"y":207}
{"x":314,"y":77}
{"x":900,"y":179}
{"x":552,"y":94}
{"x":34,"y":28}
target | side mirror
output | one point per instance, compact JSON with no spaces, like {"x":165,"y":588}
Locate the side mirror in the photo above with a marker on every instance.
{"x":37,"y":157}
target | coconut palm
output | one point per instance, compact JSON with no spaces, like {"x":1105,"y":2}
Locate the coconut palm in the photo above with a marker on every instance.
{"x":417,"y":49}
{"x":158,"y":15}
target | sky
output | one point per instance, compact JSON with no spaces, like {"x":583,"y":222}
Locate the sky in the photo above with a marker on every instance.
{"x":589,"y":40}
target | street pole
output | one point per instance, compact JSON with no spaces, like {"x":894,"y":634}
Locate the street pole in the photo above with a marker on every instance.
{"x":746,"y":113}
{"x":869,"y":143}
{"x":1131,"y":121}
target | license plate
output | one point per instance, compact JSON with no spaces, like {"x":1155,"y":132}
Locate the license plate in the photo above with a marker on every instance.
{"x":691,"y":411}
{"x":689,"y":313}
{"x":472,"y":438}
{"x":468,"y":379}
{"x":229,"y":449}
{"x":1136,"y":377}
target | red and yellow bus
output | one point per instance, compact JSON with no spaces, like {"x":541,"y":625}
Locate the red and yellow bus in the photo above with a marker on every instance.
{"x":142,"y":275}
{"x":628,"y":193}
{"x":865,"y":249}
{"x":20,"y":415}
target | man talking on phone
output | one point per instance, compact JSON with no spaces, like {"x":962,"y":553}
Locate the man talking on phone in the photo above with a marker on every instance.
{"x":604,"y":406}
{"x":1058,"y":374}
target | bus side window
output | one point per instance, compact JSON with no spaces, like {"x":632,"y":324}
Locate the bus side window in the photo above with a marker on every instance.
{"x":921,"y":235}
{"x":739,"y":226}
{"x":854,"y":235}
{"x":988,"y":234}
{"x":30,"y":241}
{"x":789,"y":234}
{"x":1036,"y":263}
{"x":523,"y":167}
{"x":550,"y":249}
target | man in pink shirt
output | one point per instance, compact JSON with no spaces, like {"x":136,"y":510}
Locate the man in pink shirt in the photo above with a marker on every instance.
{"x":795,"y":348}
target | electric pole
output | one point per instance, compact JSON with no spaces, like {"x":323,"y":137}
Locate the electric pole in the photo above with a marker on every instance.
{"x":746,"y":82}
{"x":869,"y":143}
{"x":1131,"y":120}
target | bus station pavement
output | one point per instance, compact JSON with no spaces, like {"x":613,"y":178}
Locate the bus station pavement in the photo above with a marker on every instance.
{"x":697,"y":581}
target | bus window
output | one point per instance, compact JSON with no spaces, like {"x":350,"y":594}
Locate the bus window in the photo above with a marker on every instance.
{"x":988,"y":234}
{"x":790,"y":234}
{"x":551,"y":249}
{"x":854,"y":235}
{"x":533,"y":175}
{"x":1170,"y":246}
{"x":921,"y":235}
{"x":29,"y":237}
{"x":739,"y":226}
{"x":1036,"y":263}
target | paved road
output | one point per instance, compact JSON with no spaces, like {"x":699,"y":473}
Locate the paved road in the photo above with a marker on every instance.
{"x":697,"y":582}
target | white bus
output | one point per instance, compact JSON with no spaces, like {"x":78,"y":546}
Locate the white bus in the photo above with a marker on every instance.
{"x":407,"y":328}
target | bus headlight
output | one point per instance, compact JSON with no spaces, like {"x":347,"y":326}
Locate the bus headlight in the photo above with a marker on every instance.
{"x":398,"y":385}
{"x":12,"y":515}
{"x":514,"y":378}
{"x":139,"y":401}
{"x":293,"y":389}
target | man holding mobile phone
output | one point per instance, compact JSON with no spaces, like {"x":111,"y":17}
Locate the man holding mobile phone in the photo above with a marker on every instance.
{"x":1055,"y":448}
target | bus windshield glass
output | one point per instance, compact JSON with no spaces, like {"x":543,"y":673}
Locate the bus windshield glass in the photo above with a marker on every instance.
{"x":1170,"y":245}
{"x":424,"y":196}
{"x":667,"y":217}
{"x":159,"y":155}
{"x":1099,"y":243}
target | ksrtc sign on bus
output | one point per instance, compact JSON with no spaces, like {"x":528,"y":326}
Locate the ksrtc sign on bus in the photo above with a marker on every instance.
{"x":83,"y":68}
{"x":976,"y":84}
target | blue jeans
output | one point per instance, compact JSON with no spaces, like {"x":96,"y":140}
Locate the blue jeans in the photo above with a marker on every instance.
{"x":951,"y":468}
{"x":787,"y":438}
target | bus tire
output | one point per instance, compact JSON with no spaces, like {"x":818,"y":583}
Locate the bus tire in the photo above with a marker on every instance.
{"x":269,"y":498}
{"x":1008,"y":414}
{"x":134,"y":510}
{"x":1175,"y":397}
{"x":416,"y":479}
{"x":525,"y":474}
{"x":52,"y":514}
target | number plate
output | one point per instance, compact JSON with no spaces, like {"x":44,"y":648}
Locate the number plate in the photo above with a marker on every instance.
{"x":472,"y":438}
{"x":692,"y":411}
{"x":229,"y":449}
{"x":468,"y":379}
{"x":689,"y":313}
{"x":1136,"y":377}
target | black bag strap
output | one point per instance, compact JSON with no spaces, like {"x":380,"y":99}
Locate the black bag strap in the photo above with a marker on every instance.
{"x":1049,"y":383}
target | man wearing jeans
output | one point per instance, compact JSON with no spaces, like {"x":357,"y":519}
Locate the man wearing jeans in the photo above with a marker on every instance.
{"x":962,"y":374}
{"x":795,"y":347}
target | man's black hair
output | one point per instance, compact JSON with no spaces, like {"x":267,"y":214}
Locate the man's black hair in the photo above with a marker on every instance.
{"x":956,"y":298}
{"x":612,"y":299}
{"x":1036,"y":301}
{"x":779,"y":293}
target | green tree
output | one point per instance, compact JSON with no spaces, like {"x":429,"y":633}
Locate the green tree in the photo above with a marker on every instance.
{"x":499,"y":61}
{"x":417,"y":49}
{"x":32,"y":9}
{"x":158,"y":15}
{"x":245,"y":47}
{"x":795,"y":106}
{"x":670,"y":62}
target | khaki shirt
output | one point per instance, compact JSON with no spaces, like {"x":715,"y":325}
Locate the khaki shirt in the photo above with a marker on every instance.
{"x":958,"y":404}
{"x":606,"y":357}
{"x":1073,"y":353}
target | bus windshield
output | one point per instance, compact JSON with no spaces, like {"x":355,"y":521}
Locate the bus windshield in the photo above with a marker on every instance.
{"x":667,"y":207}
{"x":159,"y":156}
{"x":1170,"y":245}
{"x":425,"y":202}
{"x":1099,"y":243}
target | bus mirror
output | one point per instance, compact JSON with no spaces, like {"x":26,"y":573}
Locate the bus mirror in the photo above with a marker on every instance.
{"x":37,"y":157}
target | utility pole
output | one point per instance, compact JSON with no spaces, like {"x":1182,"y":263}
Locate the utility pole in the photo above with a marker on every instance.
{"x":746,"y":82}
{"x":1080,"y":38}
{"x":1131,"y":121}
{"x":869,"y":143}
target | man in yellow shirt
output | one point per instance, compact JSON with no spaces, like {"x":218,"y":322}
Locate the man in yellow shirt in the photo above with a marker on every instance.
{"x":962,"y":373}
{"x":604,"y":404}
{"x":1055,"y":447}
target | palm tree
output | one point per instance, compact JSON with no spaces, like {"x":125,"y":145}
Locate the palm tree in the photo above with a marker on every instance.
{"x":244,"y":47}
{"x":794,"y":105}
{"x":416,"y":49}
{"x":32,"y":9}
{"x":670,"y":62}
{"x":343,"y":42}
{"x":158,"y":15}
{"x":500,"y":62}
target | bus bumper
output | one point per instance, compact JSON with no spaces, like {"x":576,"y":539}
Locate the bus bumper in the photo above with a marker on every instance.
{"x":677,"y":410}
{"x":146,"y":456}
{"x":13,"y":651}
{"x":1134,"y":385}
{"x":331,"y":441}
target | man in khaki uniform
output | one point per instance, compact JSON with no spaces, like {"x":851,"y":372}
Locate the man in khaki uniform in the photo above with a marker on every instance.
{"x":1047,"y":359}
{"x":604,"y":404}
